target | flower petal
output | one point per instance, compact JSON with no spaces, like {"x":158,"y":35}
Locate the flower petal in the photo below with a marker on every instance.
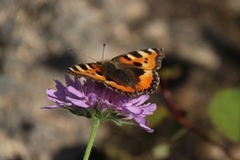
{"x":78,"y":102}
{"x":74,"y":92}
{"x":146,"y":128}
{"x":50,"y":107}
{"x":149,"y":109}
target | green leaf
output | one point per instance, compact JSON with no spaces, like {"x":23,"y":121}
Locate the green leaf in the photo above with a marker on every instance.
{"x":224,"y":112}
{"x":156,"y":118}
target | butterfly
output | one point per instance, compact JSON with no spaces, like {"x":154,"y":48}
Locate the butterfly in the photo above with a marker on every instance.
{"x":133,"y":74}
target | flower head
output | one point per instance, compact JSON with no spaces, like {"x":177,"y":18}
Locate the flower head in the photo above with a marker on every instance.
{"x":91,"y":99}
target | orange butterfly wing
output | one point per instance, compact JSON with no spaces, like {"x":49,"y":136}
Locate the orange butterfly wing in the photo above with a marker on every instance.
{"x":91,"y":70}
{"x":144,"y":64}
{"x":147,"y":59}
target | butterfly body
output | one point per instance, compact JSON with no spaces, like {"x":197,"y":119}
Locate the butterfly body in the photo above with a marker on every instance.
{"x":133,"y":74}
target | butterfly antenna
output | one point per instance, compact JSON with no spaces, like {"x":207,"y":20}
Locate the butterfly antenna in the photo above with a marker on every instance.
{"x":103,"y":51}
{"x":71,"y":50}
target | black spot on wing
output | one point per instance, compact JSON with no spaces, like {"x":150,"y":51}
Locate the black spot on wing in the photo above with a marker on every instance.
{"x":138,"y":72}
{"x":127,"y":58}
{"x":147,"y":51}
{"x":137,"y":64}
{"x":83,"y":66}
{"x":146,"y":60}
{"x":99,"y":73}
{"x":156,"y":49}
{"x":136,"y":54}
{"x":91,"y":66}
{"x":72,"y":68}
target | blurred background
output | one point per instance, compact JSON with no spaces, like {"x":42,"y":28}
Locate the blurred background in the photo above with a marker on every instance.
{"x":201,"y":40}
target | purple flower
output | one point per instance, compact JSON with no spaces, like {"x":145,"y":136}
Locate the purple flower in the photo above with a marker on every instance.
{"x":91,"y":99}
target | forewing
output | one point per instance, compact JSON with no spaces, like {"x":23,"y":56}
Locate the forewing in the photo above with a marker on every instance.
{"x":148,"y":59}
{"x":91,"y":70}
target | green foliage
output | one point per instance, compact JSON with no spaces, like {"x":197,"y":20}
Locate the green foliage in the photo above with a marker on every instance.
{"x":156,"y":118}
{"x":224,"y":112}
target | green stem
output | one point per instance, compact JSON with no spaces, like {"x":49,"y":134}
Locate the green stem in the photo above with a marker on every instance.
{"x":96,"y":123}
